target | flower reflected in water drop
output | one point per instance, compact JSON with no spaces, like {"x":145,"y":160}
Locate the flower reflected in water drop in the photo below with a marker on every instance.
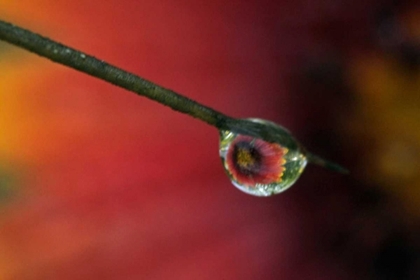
{"x":260,"y":167}
{"x":253,"y":161}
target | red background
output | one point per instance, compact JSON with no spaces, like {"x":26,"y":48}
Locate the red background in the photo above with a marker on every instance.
{"x":98,"y":183}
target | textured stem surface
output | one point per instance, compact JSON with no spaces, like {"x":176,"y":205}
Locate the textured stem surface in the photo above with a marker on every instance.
{"x":98,"y":68}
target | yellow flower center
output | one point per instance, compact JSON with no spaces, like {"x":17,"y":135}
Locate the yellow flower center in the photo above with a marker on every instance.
{"x":244,"y":158}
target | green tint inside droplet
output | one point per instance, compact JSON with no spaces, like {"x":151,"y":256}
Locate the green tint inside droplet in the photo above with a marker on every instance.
{"x":258,"y":167}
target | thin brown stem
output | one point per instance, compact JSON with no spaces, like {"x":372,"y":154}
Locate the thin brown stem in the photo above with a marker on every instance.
{"x":98,"y":68}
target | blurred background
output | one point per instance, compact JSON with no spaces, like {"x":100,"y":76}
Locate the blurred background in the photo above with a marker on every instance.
{"x":97,"y":183}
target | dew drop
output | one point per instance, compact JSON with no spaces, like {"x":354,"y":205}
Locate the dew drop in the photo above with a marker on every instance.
{"x":258,"y":167}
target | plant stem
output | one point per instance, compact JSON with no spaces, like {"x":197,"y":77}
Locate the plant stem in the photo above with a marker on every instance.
{"x":314,"y":159}
{"x":98,"y":68}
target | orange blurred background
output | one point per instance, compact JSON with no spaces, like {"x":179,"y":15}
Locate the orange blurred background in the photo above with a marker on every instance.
{"x":98,"y":183}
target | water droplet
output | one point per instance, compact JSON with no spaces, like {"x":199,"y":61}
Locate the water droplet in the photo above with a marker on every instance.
{"x":258,"y":167}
